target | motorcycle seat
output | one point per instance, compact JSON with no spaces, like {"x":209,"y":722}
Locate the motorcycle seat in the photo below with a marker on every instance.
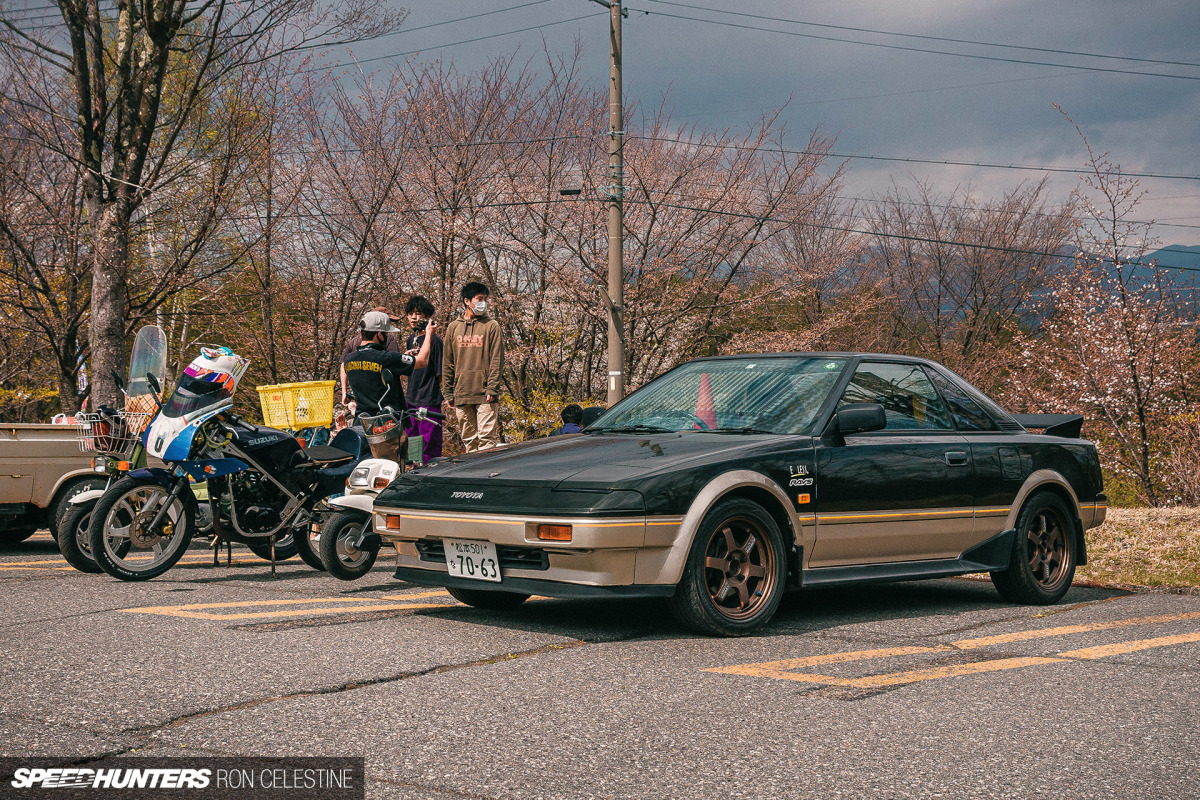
{"x":325,"y":455}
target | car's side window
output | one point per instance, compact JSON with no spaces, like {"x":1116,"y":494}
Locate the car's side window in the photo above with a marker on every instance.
{"x":968,"y":415}
{"x":907,"y":396}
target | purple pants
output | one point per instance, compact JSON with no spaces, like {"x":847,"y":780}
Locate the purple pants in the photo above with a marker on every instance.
{"x":431,"y":432}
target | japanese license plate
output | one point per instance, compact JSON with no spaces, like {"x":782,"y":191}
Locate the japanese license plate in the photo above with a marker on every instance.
{"x":466,"y":558}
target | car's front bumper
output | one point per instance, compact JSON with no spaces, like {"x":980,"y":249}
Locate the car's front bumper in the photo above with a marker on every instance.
{"x":607,"y":556}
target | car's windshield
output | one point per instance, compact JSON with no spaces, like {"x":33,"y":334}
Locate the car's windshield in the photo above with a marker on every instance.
{"x":737,"y":395}
{"x":193,"y":394}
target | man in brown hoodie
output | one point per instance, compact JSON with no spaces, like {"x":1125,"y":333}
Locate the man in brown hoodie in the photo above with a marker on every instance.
{"x":472,"y":365}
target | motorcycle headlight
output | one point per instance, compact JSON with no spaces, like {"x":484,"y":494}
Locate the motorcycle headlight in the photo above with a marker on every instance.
{"x":360,"y":478}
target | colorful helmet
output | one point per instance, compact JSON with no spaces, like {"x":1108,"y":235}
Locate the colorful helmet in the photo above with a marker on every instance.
{"x":218,"y":365}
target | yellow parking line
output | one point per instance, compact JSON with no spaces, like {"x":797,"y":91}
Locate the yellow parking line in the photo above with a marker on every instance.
{"x":782,"y":669}
{"x":166,"y":611}
{"x":198,"y":610}
{"x":1121,"y":648}
{"x":1020,"y":636}
{"x":188,"y":560}
{"x":951,"y":671}
{"x":773,"y":667}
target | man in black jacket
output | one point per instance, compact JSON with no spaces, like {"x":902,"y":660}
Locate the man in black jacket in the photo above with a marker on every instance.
{"x":373,"y":388}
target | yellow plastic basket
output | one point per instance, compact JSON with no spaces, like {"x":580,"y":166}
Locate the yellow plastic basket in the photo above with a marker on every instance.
{"x":297,"y":405}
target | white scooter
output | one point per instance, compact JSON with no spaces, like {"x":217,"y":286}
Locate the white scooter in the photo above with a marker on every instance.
{"x":348,"y":546}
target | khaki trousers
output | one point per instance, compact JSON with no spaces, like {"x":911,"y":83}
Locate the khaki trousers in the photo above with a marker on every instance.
{"x":478,"y":425}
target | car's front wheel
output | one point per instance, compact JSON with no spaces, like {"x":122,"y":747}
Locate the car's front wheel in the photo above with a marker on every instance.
{"x":734,"y":577}
{"x":1044,"y":554}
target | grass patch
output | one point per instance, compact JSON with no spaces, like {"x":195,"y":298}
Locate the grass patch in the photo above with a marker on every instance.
{"x":1145,"y":547}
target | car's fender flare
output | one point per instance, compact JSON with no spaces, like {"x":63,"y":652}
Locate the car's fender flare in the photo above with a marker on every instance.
{"x":1041,"y":479}
{"x":712,"y":493}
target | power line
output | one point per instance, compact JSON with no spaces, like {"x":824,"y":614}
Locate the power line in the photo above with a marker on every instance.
{"x":682,"y":207}
{"x":905,"y":159}
{"x":504,"y":10}
{"x":979,"y":57}
{"x":903,"y":237}
{"x":1055,"y":51}
{"x":449,"y":44}
{"x":1154,"y":223}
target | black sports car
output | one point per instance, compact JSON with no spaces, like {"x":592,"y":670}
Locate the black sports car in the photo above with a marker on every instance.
{"x":728,"y":480}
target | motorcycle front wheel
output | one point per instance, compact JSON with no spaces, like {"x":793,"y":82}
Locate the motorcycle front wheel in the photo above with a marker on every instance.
{"x":342,"y":559}
{"x":122,"y":542}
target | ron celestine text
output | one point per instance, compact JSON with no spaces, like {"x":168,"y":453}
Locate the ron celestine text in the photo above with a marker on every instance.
{"x":281,"y":778}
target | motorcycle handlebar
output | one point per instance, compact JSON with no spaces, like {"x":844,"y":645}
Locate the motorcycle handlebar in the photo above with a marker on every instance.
{"x":420,"y":413}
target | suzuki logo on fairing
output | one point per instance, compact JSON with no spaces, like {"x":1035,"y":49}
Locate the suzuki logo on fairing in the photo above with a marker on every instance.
{"x":466,"y":495}
{"x":262,"y":440}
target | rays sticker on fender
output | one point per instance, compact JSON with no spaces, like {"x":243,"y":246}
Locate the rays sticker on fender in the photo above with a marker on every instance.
{"x":799,"y":476}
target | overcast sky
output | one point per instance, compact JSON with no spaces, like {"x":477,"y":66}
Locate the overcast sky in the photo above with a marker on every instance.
{"x":891,"y":101}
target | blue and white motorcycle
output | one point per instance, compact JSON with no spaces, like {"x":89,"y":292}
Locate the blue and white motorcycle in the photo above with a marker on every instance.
{"x":262,"y":485}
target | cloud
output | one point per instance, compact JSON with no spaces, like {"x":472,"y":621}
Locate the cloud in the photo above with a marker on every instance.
{"x":901,"y":102}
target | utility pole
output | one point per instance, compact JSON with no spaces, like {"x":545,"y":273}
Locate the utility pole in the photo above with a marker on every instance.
{"x":615,"y":296}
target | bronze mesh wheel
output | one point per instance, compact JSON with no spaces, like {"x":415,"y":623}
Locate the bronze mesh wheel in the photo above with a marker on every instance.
{"x":739,"y":570}
{"x":1048,"y":548}
{"x":733,"y":580}
{"x":1044,"y":553}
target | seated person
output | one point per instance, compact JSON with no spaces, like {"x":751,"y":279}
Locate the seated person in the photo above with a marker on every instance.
{"x":572,"y":415}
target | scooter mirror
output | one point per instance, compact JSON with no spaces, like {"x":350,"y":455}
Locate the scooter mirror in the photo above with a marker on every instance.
{"x":117,"y":379}
{"x":154,"y":384}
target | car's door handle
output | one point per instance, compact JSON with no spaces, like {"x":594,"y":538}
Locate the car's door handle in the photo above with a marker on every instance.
{"x":957,"y":458}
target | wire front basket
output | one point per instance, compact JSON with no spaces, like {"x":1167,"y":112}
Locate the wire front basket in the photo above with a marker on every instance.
{"x":112,"y":433}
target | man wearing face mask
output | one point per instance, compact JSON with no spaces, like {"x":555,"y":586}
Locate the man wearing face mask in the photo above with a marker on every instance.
{"x":472,"y":365}
{"x":424,"y":385}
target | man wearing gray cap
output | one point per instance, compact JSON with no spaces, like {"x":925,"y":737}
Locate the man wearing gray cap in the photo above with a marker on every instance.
{"x":371,"y":386}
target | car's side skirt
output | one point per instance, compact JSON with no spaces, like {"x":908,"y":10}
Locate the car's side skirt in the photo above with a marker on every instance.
{"x":993,"y":554}
{"x":531,"y":586}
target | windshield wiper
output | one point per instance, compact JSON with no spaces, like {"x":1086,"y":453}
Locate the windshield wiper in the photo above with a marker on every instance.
{"x":738,"y":430}
{"x":633,"y":429}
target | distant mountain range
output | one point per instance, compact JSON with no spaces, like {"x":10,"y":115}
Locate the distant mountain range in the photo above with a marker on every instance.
{"x":1177,"y":255}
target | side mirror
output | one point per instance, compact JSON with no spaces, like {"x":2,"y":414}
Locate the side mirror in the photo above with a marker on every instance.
{"x":154,"y":384}
{"x":387,"y":375}
{"x":117,"y":379}
{"x":860,"y":418}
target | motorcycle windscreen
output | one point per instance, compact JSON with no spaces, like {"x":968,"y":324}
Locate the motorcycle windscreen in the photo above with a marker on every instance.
{"x":193,"y":394}
{"x":149,"y":356}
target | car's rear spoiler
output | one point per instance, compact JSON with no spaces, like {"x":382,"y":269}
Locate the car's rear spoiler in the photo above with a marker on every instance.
{"x":1068,"y":426}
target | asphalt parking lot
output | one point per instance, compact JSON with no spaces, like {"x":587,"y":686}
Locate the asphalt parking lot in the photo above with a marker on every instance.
{"x":930,"y":689}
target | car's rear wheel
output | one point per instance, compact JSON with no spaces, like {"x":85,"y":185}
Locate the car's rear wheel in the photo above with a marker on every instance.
{"x":734,"y":577}
{"x":487,"y":598}
{"x":1044,"y":553}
